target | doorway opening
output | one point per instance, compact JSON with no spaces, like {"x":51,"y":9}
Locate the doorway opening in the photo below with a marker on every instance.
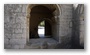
{"x":38,"y":14}
{"x":41,"y":29}
{"x":45,"y":29}
{"x":40,"y":22}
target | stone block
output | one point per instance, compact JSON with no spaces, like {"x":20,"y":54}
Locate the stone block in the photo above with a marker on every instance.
{"x":82,"y":28}
{"x":8,"y":25}
{"x":15,"y":46}
{"x":17,"y":36}
{"x":6,"y":41}
{"x":21,"y":46}
{"x":6,"y":19}
{"x":44,"y":45}
{"x":7,"y":46}
{"x":82,"y":22}
{"x":9,"y":17}
{"x":81,"y":18}
{"x":18,"y":41}
{"x":6,"y":36}
{"x":21,"y":14}
{"x":52,"y":46}
{"x":34,"y":46}
{"x":12,"y":19}
{"x":17,"y":25}
{"x":8,"y":7}
{"x":18,"y":30}
{"x":8,"y":30}
{"x":20,"y":19}
{"x":82,"y":39}
{"x":23,"y":25}
{"x":24,"y":8}
{"x":24,"y":36}
{"x":17,"y":8}
{"x":67,"y":5}
{"x":70,"y":24}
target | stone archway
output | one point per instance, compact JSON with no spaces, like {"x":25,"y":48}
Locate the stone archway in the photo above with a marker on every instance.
{"x":52,"y":19}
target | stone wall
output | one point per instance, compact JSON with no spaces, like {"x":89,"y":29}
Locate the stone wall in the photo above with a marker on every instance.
{"x":68,"y":30}
{"x":14,"y":26}
{"x":65,"y":25}
{"x":82,"y":26}
{"x":78,"y":26}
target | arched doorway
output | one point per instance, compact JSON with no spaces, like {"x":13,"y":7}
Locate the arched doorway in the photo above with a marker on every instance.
{"x":45,"y":29}
{"x":41,"y":29}
{"x":39,"y":12}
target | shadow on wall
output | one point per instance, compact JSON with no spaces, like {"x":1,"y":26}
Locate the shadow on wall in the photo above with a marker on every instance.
{"x":76,"y":28}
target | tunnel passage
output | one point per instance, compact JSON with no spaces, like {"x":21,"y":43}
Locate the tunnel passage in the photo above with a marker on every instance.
{"x":38,"y":14}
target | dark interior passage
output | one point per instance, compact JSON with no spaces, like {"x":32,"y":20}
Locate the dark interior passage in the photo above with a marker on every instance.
{"x":38,"y":14}
{"x":48,"y":31}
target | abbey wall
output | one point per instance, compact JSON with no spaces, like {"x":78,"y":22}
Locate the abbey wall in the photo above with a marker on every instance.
{"x":66,"y":24}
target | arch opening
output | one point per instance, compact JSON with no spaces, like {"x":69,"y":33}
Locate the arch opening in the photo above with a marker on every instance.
{"x":37,"y":13}
{"x":41,"y":29}
{"x":44,"y":29}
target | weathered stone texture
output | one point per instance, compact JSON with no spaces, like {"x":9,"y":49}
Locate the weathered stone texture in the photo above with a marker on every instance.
{"x":14,"y":25}
{"x":68,"y":27}
{"x":65,"y":27}
{"x":78,"y":26}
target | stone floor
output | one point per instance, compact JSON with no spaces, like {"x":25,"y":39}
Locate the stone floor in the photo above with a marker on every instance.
{"x":42,"y":43}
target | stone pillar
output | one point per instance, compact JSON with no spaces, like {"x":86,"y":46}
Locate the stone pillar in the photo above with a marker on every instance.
{"x":78,"y":27}
{"x":65,"y":26}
